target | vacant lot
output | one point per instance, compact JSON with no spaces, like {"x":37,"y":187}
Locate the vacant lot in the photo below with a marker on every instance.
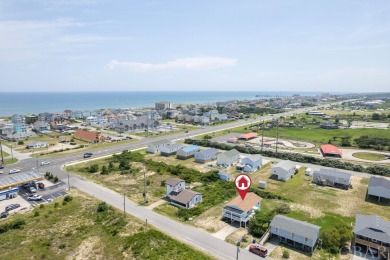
{"x":78,"y":230}
{"x":370,"y":156}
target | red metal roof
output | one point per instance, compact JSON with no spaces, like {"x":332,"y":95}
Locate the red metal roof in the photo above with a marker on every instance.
{"x":86,"y":135}
{"x":330,"y":149}
{"x":249,"y":135}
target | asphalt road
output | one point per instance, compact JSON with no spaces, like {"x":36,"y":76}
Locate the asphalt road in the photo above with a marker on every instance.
{"x":188,"y":234}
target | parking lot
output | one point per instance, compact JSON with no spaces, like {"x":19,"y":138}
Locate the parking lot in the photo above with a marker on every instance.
{"x":49,"y":193}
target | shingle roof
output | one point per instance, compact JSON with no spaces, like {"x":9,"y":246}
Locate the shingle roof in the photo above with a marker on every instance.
{"x":253,"y":157}
{"x":160,"y":142}
{"x":231,"y":153}
{"x":249,"y":135}
{"x":334,"y":173}
{"x":174,"y":181}
{"x":372,"y":226}
{"x":251,"y":199}
{"x":185,"y":196}
{"x":295,"y":226}
{"x":379,"y":182}
{"x":210,"y":151}
{"x":286,"y":165}
{"x":330,"y":149}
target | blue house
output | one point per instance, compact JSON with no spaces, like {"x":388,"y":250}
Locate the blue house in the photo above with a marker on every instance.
{"x":249,"y":163}
{"x":187,"y":152}
{"x":20,"y":128}
{"x":242,"y":210}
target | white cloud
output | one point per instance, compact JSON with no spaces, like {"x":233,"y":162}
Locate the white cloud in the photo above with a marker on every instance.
{"x":189,"y":63}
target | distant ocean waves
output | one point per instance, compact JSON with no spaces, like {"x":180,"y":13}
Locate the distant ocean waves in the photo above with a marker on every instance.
{"x":23,"y":103}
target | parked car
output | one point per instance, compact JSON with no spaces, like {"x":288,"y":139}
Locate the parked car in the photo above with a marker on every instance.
{"x":41,"y":185}
{"x":31,"y":189}
{"x":1,"y":166}
{"x":4,"y":214}
{"x":87,"y":155}
{"x":1,"y":172}
{"x":14,"y":171}
{"x":45,"y":163}
{"x":12,"y":206}
{"x":258,"y":250}
{"x":26,"y":185}
{"x":34,"y":197}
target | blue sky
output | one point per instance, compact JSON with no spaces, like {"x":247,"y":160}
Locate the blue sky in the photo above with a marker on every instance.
{"x":253,"y":45}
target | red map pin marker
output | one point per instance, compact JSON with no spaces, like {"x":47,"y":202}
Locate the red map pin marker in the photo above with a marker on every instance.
{"x":243,"y":183}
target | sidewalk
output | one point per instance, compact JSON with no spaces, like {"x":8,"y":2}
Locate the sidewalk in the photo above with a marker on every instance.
{"x":17,"y":155}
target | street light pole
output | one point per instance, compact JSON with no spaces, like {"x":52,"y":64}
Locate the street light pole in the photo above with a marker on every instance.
{"x":12,"y":153}
{"x":68,"y":177}
{"x":1,"y":149}
{"x":124,"y":205}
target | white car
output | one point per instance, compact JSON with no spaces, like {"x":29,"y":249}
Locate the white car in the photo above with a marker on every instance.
{"x":34,"y":197}
{"x":14,"y":171}
{"x":45,"y":163}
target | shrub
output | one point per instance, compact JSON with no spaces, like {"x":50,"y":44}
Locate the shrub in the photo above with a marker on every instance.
{"x":163,"y":183}
{"x":20,"y":142}
{"x":286,"y":254}
{"x":61,"y":246}
{"x":68,"y":198}
{"x":55,"y":179}
{"x":93,"y":168}
{"x":102,"y":207}
{"x":104,"y":170}
{"x":36,"y":214}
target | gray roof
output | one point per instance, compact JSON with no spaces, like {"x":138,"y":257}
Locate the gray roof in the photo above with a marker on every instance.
{"x":296,"y":226}
{"x":334,"y":173}
{"x":10,"y":180}
{"x":160,"y":142}
{"x":379,"y":182}
{"x":231,"y":153}
{"x":373,"y":227}
{"x":253,"y":157}
{"x":210,"y":151}
{"x":185,"y":196}
{"x":174,"y":181}
{"x":173,"y":146}
{"x":286,"y":165}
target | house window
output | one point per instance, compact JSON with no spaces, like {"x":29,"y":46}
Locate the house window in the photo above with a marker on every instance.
{"x":292,"y":235}
{"x":306,"y":239}
{"x":276,"y":230}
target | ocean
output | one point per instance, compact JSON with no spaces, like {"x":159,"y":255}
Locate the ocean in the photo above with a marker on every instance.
{"x":52,"y":102}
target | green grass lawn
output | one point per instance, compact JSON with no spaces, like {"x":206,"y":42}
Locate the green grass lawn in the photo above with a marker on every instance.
{"x":76,"y":230}
{"x":179,"y":129}
{"x":10,"y":161}
{"x":370,"y":156}
{"x":5,"y":154}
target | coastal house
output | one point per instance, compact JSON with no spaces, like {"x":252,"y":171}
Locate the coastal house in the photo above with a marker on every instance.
{"x":6,"y":130}
{"x":17,"y":119}
{"x":379,"y":187}
{"x":295,"y":233}
{"x":174,"y":186}
{"x":34,"y":145}
{"x":155,"y":146}
{"x":242,"y":210}
{"x":139,"y":124}
{"x":372,"y":235}
{"x":206,"y":155}
{"x":91,"y":137}
{"x":228,"y":158}
{"x":284,"y":170}
{"x":249,"y":163}
{"x":187,"y":152}
{"x":20,"y":128}
{"x":31,"y":118}
{"x":332,"y":177}
{"x":170,"y":149}
{"x":163,"y":105}
{"x":180,"y":196}
{"x":41,"y":126}
{"x":91,"y":120}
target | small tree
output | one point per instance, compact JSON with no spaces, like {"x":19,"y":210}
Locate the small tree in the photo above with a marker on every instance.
{"x":104,"y":170}
{"x":110,"y":167}
{"x":163,"y":183}
{"x":286,"y":254}
{"x":55,"y":179}
{"x":102,"y":207}
{"x":93,"y":168}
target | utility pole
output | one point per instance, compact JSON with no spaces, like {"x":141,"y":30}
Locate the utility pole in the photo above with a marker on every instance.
{"x":277,"y":136}
{"x":68,"y":177}
{"x":12,"y":153}
{"x":145,"y":200}
{"x":1,"y":149}
{"x":262,"y":136}
{"x":238,"y":242}
{"x":124,"y":205}
{"x":147,"y":125}
{"x":37,"y":163}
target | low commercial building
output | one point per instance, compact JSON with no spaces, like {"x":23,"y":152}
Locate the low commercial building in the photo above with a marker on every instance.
{"x":35,"y":145}
{"x":295,"y":233}
{"x":379,"y":187}
{"x":242,"y":210}
{"x":9,"y":183}
{"x":330,"y":150}
{"x":284,"y":170}
{"x":9,"y":193}
{"x":332,"y":178}
{"x":371,"y":235}
{"x":248,"y":136}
